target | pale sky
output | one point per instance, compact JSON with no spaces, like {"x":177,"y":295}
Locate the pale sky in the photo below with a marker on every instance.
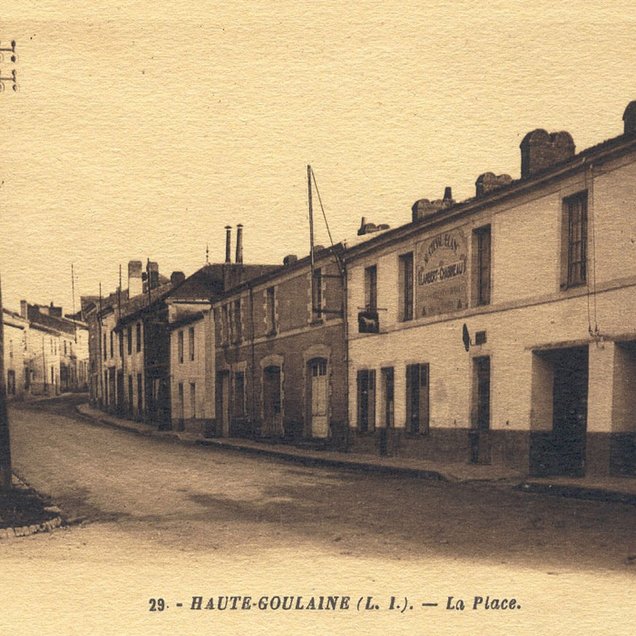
{"x":142,"y":128}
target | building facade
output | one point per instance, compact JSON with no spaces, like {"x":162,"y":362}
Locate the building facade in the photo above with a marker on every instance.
{"x":281,"y":354}
{"x":499,"y":330}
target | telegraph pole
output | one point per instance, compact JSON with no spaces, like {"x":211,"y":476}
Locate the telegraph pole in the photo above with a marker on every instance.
{"x":5,"y":440}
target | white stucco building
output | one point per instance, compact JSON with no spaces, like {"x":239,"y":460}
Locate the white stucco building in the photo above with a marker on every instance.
{"x":506,"y":329}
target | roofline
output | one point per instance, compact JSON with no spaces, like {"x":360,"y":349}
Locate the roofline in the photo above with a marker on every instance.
{"x":334,"y":250}
{"x":617,"y":146}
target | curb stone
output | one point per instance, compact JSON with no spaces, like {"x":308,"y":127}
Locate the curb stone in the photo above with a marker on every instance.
{"x":24,"y":531}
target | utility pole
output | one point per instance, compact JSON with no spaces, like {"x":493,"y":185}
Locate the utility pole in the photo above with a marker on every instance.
{"x":5,"y":440}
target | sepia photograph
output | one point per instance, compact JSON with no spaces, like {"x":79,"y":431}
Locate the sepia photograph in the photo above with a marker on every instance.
{"x":317,"y":318}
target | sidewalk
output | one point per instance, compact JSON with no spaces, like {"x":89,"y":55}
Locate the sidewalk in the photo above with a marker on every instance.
{"x":621,"y":489}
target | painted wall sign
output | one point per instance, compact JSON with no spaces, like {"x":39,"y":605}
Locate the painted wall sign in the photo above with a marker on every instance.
{"x":442,"y":274}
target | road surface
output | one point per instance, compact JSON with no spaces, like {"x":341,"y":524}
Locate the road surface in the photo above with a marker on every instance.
{"x":155,"y":518}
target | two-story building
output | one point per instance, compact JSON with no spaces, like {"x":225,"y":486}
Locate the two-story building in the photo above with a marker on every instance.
{"x":501,"y":329}
{"x":281,"y":354}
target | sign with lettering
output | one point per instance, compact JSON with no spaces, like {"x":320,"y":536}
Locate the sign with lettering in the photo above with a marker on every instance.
{"x":441,"y":274}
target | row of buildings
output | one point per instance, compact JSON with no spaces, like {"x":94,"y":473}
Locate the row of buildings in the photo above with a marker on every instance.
{"x":493,"y":330}
{"x":45,"y":352}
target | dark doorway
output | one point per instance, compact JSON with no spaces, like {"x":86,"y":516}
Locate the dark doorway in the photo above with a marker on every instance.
{"x":272,"y":411}
{"x":480,"y":435}
{"x":569,"y":408}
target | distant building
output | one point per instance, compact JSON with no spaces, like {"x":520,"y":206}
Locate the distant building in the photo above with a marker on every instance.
{"x":15,"y":339}
{"x":56,"y":353}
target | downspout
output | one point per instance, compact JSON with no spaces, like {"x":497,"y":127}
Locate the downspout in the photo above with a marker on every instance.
{"x":347,"y":431}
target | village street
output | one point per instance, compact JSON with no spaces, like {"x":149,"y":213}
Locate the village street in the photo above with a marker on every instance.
{"x":160,"y":519}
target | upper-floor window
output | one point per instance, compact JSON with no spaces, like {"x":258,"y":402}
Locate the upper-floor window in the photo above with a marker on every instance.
{"x":129,"y":338}
{"x":574,"y":240}
{"x":191,"y":342}
{"x":270,"y":309}
{"x":482,"y":265}
{"x":371,"y":288}
{"x":238,"y":325}
{"x":406,"y":286}
{"x":180,"y":346}
{"x":316,"y":295}
{"x":121,"y":344}
{"x":112,"y":339}
{"x":105,"y":353}
{"x":138,"y":336}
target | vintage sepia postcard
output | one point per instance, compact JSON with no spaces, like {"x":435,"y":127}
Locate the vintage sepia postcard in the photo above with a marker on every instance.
{"x":317,"y":318}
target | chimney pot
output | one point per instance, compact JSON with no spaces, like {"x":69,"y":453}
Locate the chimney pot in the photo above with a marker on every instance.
{"x":228,"y":243}
{"x":24,"y":309}
{"x":629,"y":119}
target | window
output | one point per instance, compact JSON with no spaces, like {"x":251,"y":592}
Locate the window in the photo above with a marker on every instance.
{"x":193,"y":400}
{"x":121,"y":344}
{"x":225,"y":324}
{"x":366,"y":400}
{"x":316,"y":295}
{"x":575,"y":240}
{"x":138,"y":336}
{"x":65,"y":347}
{"x":270,"y":309}
{"x":406,"y":286}
{"x":371,"y":288}
{"x":239,"y":394}
{"x":129,"y":339}
{"x":112,"y":338}
{"x":417,"y":398}
{"x":105,"y":353}
{"x":180,"y":346}
{"x":481,"y":260}
{"x":191,"y":342}
{"x":238,"y":326}
{"x":388,"y":402}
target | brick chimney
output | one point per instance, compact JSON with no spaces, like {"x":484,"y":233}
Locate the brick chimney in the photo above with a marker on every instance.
{"x":135,"y":283}
{"x":629,"y":118}
{"x":24,"y":309}
{"x":176,"y":278}
{"x":489,"y":182}
{"x":423,"y":207}
{"x":153,"y":274}
{"x":540,"y":150}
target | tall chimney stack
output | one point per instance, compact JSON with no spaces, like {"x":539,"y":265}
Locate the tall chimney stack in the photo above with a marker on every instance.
{"x":228,"y":243}
{"x":135,"y":283}
{"x":239,"y":243}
